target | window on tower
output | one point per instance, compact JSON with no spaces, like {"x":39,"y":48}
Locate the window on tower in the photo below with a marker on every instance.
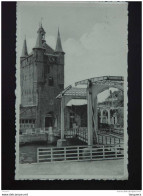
{"x":48,"y":69}
{"x":51,"y":81}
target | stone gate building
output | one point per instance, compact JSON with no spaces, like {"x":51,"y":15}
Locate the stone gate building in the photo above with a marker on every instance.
{"x":41,"y":80}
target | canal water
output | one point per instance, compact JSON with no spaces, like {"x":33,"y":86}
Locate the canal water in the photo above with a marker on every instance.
{"x":28,"y":152}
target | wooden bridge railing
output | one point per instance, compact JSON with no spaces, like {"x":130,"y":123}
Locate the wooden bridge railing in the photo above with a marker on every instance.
{"x":110,"y":140}
{"x":117,"y":131}
{"x":81,"y":133}
{"x":80,"y":153}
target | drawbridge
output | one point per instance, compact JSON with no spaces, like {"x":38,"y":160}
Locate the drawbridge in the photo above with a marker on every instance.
{"x":94,"y":86}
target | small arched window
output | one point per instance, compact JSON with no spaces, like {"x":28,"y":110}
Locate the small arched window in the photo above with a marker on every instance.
{"x":51,"y":81}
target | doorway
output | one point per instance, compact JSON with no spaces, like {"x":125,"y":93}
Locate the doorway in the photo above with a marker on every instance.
{"x":48,"y":121}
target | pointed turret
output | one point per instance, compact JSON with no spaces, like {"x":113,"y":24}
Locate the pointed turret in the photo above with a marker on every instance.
{"x":39,"y":41}
{"x":24,"y":50}
{"x":58,"y":44}
{"x":40,"y":38}
{"x":38,"y":53}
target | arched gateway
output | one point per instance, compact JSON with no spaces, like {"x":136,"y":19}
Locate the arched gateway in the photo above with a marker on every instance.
{"x":94,"y":86}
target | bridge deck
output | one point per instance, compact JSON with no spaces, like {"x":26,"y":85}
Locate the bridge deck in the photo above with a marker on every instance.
{"x":103,"y":137}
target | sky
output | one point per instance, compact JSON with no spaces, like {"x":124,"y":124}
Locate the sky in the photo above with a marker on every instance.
{"x":93,"y":34}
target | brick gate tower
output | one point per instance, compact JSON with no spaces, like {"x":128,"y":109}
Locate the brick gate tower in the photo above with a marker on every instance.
{"x":42,"y":79}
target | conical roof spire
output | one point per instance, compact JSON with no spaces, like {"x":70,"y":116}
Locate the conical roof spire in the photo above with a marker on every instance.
{"x":40,"y":37}
{"x":58,"y":44}
{"x":24,"y":50}
{"x":39,"y":41}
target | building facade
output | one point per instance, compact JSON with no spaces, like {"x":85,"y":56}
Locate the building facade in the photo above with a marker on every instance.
{"x":110,"y":112}
{"x":41,"y":80}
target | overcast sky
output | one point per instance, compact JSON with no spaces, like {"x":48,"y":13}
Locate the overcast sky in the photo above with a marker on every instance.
{"x":94,"y":35}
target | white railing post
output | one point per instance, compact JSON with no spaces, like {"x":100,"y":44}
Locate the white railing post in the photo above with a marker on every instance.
{"x":78,"y":152}
{"x":37,"y":155}
{"x":91,"y":153}
{"x":115,"y":151}
{"x":103,"y":152}
{"x":51,"y":154}
{"x":65,"y":153}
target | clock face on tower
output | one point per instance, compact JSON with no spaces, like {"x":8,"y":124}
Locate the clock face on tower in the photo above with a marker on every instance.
{"x":52,"y":59}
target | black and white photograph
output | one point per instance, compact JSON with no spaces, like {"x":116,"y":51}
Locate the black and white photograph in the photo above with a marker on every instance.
{"x":71,"y":90}
{"x":71,"y":98}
